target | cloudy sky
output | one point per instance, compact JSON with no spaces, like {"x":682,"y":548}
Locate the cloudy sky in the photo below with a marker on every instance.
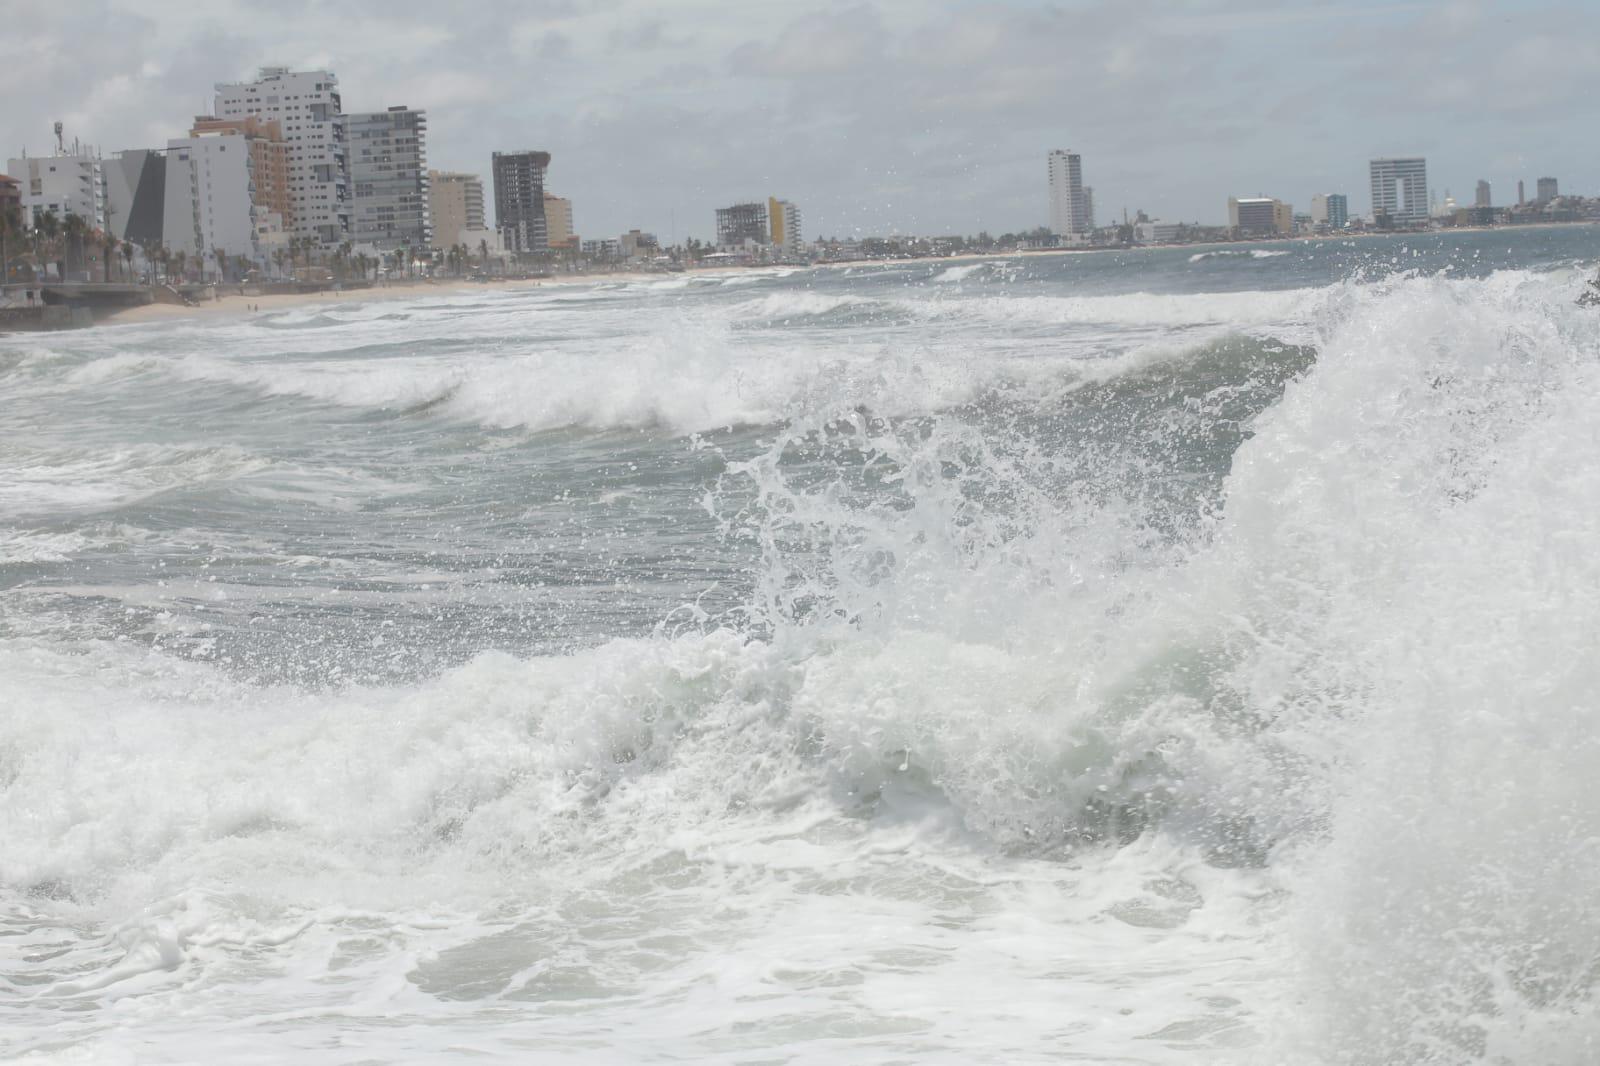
{"x":876,"y":116}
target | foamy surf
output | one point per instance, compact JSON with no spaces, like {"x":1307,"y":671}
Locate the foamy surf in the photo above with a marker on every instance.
{"x":729,"y":682}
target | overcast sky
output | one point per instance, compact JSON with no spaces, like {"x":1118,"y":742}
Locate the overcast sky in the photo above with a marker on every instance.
{"x":875,"y":116}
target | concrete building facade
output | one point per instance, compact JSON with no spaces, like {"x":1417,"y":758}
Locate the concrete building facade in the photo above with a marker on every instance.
{"x":1070,"y":211}
{"x":455,"y":206}
{"x":783,"y":219}
{"x":215,"y":170}
{"x":68,"y":184}
{"x":270,"y":163}
{"x":739,"y":223}
{"x":1330,"y":209}
{"x":1260,"y":216}
{"x":1400,"y":190}
{"x":519,"y":201}
{"x":310,"y":114}
{"x":558,"y":222}
{"x":389,"y":178}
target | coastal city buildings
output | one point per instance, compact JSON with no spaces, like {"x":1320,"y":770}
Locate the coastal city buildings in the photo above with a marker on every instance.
{"x":308,"y":109}
{"x":67,"y":183}
{"x":455,"y":205}
{"x":741,"y":223}
{"x":1547,"y":190}
{"x":270,"y":165}
{"x":1400,"y":190}
{"x":1483,"y":196}
{"x":1331,"y":210}
{"x":388,"y":178}
{"x":783,"y":218}
{"x":519,"y":200}
{"x":558,"y":222}
{"x":1069,"y":203}
{"x":214,"y":167}
{"x":1260,"y":216}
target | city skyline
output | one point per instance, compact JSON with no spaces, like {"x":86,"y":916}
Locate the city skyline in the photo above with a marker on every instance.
{"x":881,"y":117}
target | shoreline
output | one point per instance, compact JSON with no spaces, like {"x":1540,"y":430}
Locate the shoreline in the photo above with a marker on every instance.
{"x":233,"y":304}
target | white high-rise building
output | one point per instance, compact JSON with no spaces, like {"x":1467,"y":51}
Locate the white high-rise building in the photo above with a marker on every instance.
{"x":215,"y":168}
{"x":66,"y":184}
{"x":1069,"y":201}
{"x":309,"y":110}
{"x":1400,"y":190}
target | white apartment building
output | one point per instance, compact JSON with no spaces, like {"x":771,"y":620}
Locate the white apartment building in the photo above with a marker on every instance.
{"x":216,"y":169}
{"x":1400,"y":189}
{"x":455,"y":205}
{"x":1069,"y":201}
{"x":1156,"y":232}
{"x":66,"y":184}
{"x":308,"y":107}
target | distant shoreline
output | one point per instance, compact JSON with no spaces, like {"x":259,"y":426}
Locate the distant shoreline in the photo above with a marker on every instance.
{"x":231,"y":304}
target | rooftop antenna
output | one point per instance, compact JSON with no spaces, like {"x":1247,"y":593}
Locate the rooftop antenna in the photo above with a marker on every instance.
{"x":61,"y":147}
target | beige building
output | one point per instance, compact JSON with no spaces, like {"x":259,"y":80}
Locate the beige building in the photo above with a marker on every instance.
{"x":1260,"y":216}
{"x":558,"y":218}
{"x":456,"y":205}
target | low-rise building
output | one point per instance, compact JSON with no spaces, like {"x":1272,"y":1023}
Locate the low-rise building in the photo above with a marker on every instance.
{"x":1260,"y":216}
{"x":66,"y":184}
{"x":1156,"y":232}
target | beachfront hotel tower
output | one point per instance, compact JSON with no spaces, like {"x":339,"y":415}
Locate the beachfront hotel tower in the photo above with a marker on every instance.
{"x":558,"y":222}
{"x":783,"y":217}
{"x":519,"y":201}
{"x":310,"y":116}
{"x":455,"y":205}
{"x":1069,"y":200}
{"x":389,"y":178}
{"x":1400,"y":190}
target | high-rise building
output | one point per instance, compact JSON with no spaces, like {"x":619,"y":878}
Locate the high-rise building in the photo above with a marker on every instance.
{"x":1330,"y":209}
{"x":67,"y":184}
{"x":1260,"y":216}
{"x":1069,"y":202}
{"x":389,"y":178}
{"x":214,"y":170}
{"x":1400,"y":190}
{"x":307,"y":107}
{"x":455,"y":205}
{"x":1482,"y":197}
{"x":519,"y":200}
{"x":558,"y":221}
{"x":1547,"y":190}
{"x":1521,"y":199}
{"x":743,"y":222}
{"x":269,"y":172}
{"x":783,"y":218}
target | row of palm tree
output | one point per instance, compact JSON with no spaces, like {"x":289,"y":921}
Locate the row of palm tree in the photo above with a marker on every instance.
{"x":66,"y":244}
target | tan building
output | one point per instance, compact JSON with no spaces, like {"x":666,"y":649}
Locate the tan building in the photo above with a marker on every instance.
{"x":558,"y":220}
{"x":10,"y":193}
{"x":455,"y":202}
{"x":269,"y":162}
{"x":1260,"y":216}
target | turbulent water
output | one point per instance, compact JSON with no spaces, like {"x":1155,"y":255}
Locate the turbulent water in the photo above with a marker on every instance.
{"x":1155,"y":657}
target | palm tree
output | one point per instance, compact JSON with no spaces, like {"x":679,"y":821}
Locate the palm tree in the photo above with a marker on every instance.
{"x":46,"y":228}
{"x":180,"y":260}
{"x":75,"y":229}
{"x":483,"y":251}
{"x":10,"y":227}
{"x":127,"y":261}
{"x":108,"y":245}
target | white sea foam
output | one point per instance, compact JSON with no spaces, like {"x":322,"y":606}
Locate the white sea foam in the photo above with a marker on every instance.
{"x":1311,"y":785}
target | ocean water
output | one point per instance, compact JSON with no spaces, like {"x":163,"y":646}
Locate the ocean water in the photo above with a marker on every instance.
{"x":1174,"y":656}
